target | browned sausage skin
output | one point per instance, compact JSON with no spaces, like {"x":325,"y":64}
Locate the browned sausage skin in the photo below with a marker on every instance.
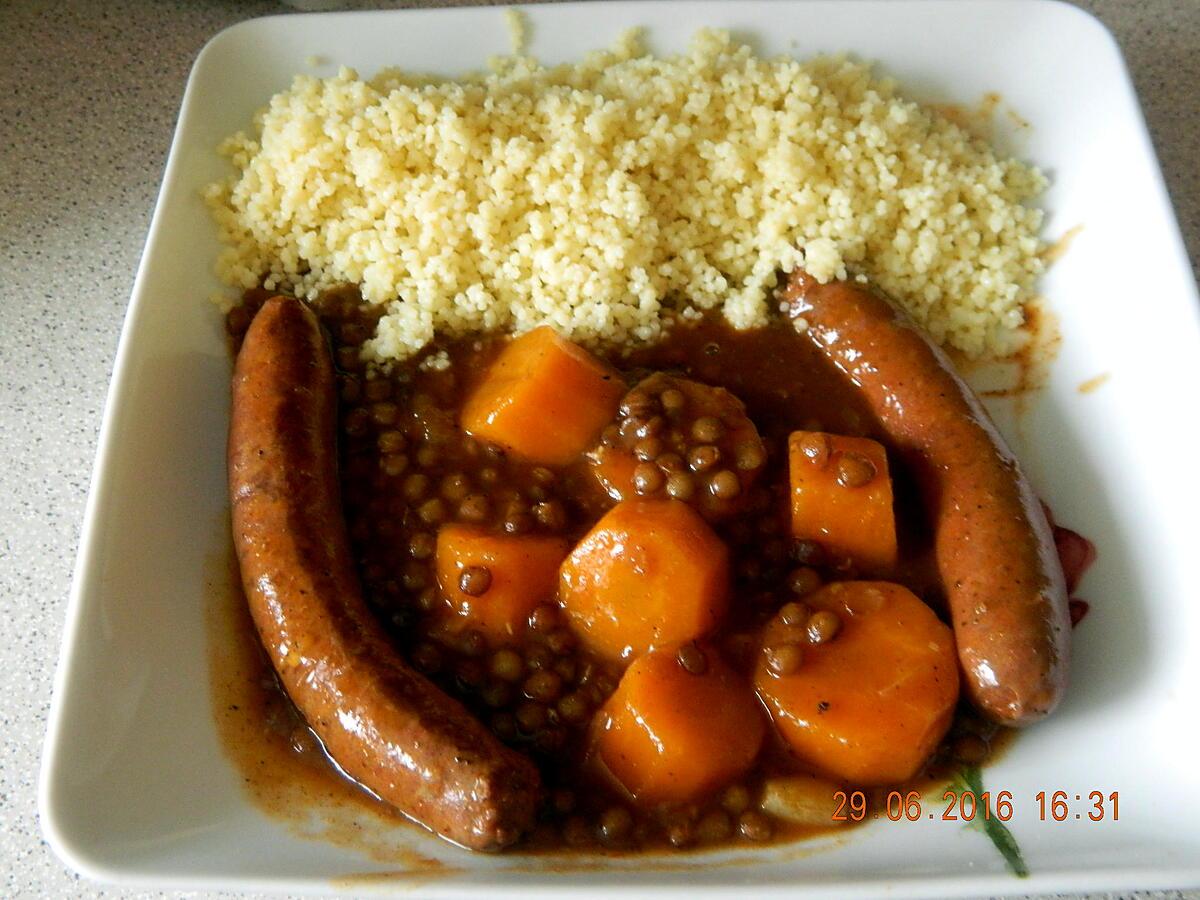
{"x":385,"y":725}
{"x":995,"y":553}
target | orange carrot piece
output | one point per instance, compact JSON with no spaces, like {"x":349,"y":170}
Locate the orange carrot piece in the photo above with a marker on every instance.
{"x":650,"y":572}
{"x":522,"y":572}
{"x":543,"y":398}
{"x":670,"y":736}
{"x":842,"y":497}
{"x":740,"y":446}
{"x":871,"y":704}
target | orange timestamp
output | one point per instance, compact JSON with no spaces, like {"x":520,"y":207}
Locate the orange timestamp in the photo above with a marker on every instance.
{"x":967,"y":805}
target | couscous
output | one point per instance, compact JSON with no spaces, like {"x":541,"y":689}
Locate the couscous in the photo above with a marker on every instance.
{"x":606,"y":197}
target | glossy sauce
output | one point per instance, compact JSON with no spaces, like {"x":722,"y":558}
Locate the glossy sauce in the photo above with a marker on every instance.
{"x":785,"y":385}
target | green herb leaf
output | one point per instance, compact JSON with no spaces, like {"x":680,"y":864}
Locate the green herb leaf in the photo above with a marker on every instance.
{"x":971,"y":779}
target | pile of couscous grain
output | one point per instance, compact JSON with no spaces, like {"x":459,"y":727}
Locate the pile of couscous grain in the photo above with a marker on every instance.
{"x":602,"y":197}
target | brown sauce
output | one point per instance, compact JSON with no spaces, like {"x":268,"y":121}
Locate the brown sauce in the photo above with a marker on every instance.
{"x":283,"y":768}
{"x":406,"y":468}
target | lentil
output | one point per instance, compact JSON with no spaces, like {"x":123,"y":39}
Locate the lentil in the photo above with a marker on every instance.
{"x":754,"y":826}
{"x":681,"y":486}
{"x":638,"y":405}
{"x":538,"y":657}
{"x":471,"y":643}
{"x":391,"y":441}
{"x":393,"y":464}
{"x":803,"y":580}
{"x":383,"y":413}
{"x":854,"y":470}
{"x":673,"y":401}
{"x":784,"y":659}
{"x":551,"y":514}
{"x":432,"y":512}
{"x":517,"y":518}
{"x":815,"y":446}
{"x":823,"y":626}
{"x":565,"y":668}
{"x":647,"y":478}
{"x":648,"y":449}
{"x":474,"y":508}
{"x":616,"y":823}
{"x":545,"y":617}
{"x":507,"y":665}
{"x":561,"y":642}
{"x":416,"y":486}
{"x":735,"y":799}
{"x":703,"y":457}
{"x":680,"y":835}
{"x":749,"y":455}
{"x":573,"y":707}
{"x":808,"y":553}
{"x":544,"y":685}
{"x":692,"y":659}
{"x":429,"y":600}
{"x":415,"y":577}
{"x":794,"y":613}
{"x":475,"y":580}
{"x":497,"y":694}
{"x":708,"y":429}
{"x":670,"y":463}
{"x":724,"y":485}
{"x":455,"y":487}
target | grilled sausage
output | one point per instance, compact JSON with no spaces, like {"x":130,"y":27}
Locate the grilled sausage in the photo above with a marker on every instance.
{"x":994,"y":549}
{"x":385,"y":724}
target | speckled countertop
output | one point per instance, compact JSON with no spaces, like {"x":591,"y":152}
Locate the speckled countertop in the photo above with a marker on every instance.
{"x":88,"y":97}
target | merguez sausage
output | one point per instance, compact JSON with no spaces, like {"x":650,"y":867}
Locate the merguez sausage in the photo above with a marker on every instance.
{"x":995,"y":552}
{"x":386,"y":725}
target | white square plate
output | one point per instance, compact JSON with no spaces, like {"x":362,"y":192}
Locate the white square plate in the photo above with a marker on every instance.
{"x":135,"y":787}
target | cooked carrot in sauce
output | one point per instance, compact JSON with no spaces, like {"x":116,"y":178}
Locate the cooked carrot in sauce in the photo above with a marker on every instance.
{"x":842,"y":497}
{"x":651,"y":572}
{"x":494,"y":581}
{"x":543,"y":398}
{"x":861,"y":679}
{"x":681,"y":724}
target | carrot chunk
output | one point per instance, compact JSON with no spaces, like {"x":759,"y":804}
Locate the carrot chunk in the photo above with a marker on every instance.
{"x":704,"y":447}
{"x":543,"y":398}
{"x":494,"y":581}
{"x":670,"y":734}
{"x":650,"y":572}
{"x":842,"y":497}
{"x":873,"y":699}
